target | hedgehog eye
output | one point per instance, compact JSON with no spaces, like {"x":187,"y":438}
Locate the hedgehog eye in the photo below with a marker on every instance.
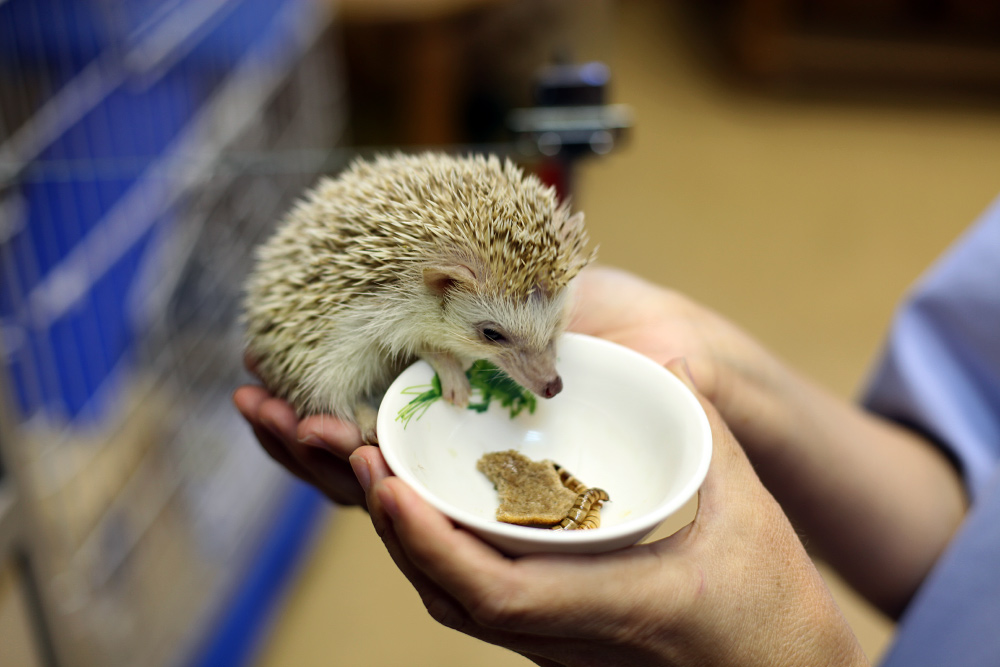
{"x":493,"y":336}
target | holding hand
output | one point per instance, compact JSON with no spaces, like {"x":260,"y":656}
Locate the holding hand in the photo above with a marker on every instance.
{"x":735,"y":587}
{"x":314,"y":449}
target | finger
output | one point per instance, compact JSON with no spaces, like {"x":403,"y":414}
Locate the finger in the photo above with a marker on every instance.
{"x":332,"y":476}
{"x":278,"y":417}
{"x":338,"y":437}
{"x":438,"y":603}
{"x":315,"y":467}
{"x":273,"y":421}
{"x":731,"y":480}
{"x":554,"y":594}
{"x":481,"y":593}
{"x":441,"y":605}
{"x":248,"y":400}
{"x":722,"y":438}
{"x":375,"y":470}
{"x":428,"y":536}
{"x":370,"y":467}
{"x":277,"y":451}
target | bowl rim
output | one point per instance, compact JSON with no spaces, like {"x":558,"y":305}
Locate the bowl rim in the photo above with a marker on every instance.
{"x":643,"y":523}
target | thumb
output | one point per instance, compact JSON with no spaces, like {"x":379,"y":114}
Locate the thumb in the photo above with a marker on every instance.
{"x":730,"y":478}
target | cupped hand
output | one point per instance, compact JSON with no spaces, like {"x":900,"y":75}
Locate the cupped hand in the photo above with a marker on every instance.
{"x":314,"y":449}
{"x":735,"y":587}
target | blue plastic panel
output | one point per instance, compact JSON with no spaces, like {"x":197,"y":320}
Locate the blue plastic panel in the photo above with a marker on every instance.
{"x":72,"y":326}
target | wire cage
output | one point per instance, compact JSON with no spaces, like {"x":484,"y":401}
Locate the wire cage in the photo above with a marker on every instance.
{"x":145,"y":148}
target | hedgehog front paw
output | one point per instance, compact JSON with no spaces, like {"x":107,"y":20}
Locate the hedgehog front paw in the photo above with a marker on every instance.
{"x":369,"y":436}
{"x":456,"y":390}
{"x":454,"y":384}
{"x":366,"y":417}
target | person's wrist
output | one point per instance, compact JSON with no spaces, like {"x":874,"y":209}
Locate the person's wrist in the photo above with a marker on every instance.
{"x":827,"y":638}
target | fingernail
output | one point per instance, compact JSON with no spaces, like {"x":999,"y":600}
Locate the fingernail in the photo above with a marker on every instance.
{"x":388,"y":499}
{"x":314,"y":440}
{"x":361,"y":471}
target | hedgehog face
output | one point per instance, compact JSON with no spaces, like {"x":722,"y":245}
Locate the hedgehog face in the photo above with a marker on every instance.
{"x":519,"y":337}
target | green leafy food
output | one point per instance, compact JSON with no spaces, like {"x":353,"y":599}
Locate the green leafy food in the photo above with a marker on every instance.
{"x":494,"y":383}
{"x":486,"y":380}
{"x":425,"y":395}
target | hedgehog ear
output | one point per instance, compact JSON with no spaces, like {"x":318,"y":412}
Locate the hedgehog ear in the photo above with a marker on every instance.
{"x":442,"y":279}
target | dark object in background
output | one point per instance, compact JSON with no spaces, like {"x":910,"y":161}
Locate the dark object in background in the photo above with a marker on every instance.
{"x":952,"y":44}
{"x":570,"y":120}
{"x":449,"y":75}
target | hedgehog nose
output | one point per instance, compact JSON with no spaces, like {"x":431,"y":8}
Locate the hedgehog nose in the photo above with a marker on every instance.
{"x":553,"y":387}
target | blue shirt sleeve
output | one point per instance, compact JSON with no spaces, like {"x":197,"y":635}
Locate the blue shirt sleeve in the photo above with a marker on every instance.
{"x":940,"y":373}
{"x":940,"y":369}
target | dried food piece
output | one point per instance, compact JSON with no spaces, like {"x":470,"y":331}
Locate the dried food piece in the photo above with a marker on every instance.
{"x":531,"y":493}
{"x":541,"y":494}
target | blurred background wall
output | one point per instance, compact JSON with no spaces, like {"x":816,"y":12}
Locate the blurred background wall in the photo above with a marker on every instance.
{"x":793,"y":165}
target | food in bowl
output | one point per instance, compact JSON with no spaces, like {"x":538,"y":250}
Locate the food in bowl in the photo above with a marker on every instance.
{"x":540,"y":494}
{"x":531,"y":493}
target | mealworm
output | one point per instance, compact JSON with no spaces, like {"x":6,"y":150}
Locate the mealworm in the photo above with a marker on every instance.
{"x":570,"y":482}
{"x":585,"y":513}
{"x":593,"y":518}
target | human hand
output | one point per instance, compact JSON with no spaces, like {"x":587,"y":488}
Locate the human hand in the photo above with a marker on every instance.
{"x":314,"y":449}
{"x":878,"y":502}
{"x":735,"y":587}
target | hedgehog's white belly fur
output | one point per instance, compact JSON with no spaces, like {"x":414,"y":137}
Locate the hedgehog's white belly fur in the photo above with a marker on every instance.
{"x":351,"y":363}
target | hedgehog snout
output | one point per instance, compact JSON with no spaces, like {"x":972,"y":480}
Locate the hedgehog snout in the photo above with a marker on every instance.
{"x":552,"y":387}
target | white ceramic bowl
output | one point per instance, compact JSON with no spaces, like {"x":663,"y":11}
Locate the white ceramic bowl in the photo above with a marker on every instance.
{"x":622,"y":423}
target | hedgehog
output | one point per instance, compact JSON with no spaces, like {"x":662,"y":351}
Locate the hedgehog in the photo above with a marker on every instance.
{"x":445,"y":258}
